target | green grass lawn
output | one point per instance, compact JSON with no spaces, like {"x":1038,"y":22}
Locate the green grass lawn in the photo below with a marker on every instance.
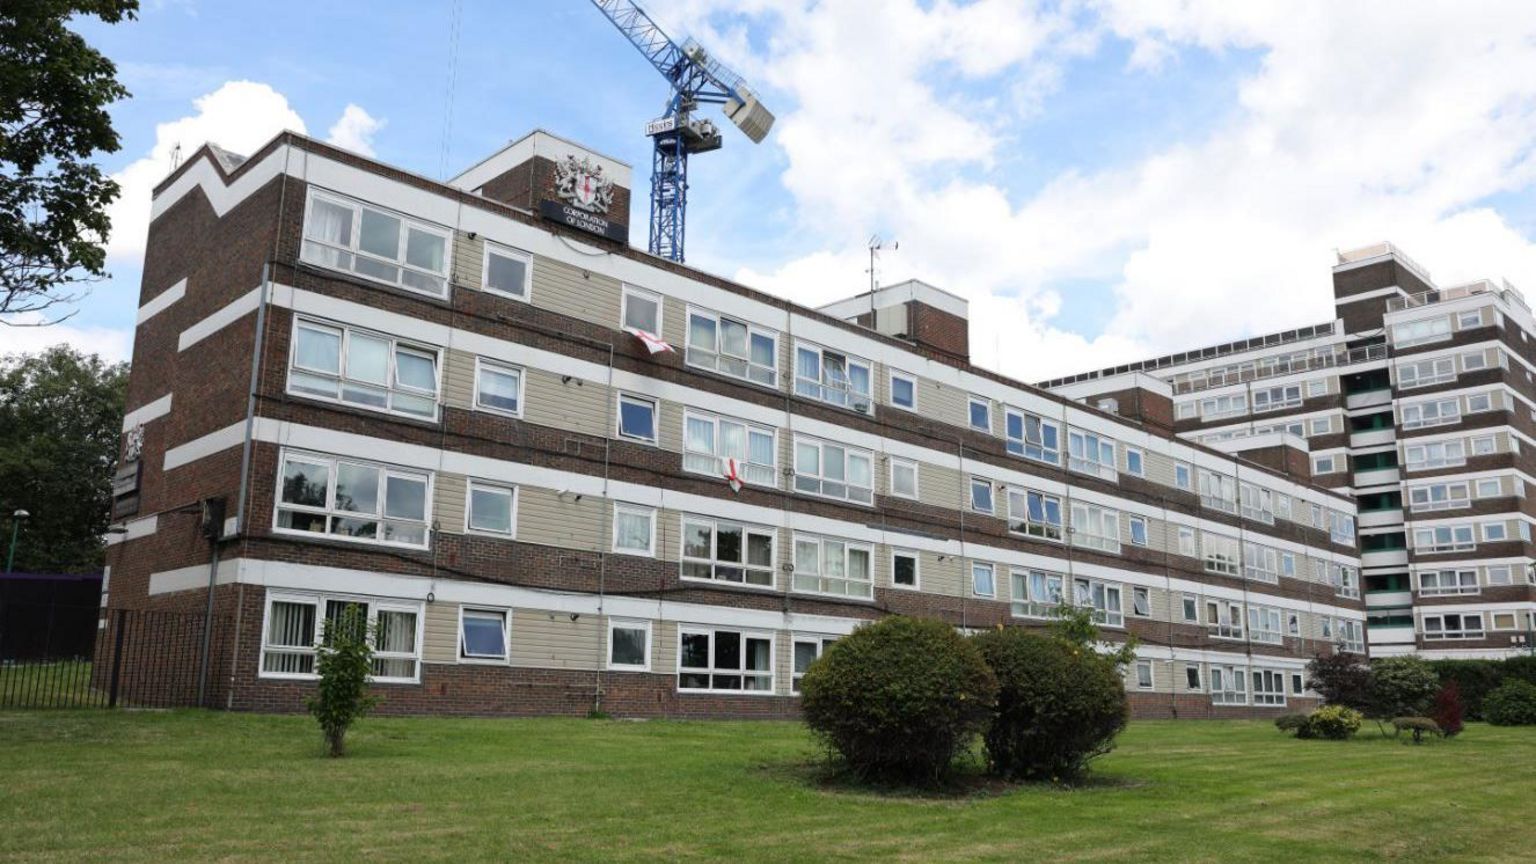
{"x":89,"y":786}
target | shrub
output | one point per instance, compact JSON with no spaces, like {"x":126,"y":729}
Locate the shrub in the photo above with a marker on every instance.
{"x":1475,"y":679}
{"x":344,"y":663}
{"x":1447,"y":711}
{"x":1059,"y":706}
{"x":1401,"y":687}
{"x":1512,"y":704}
{"x":1291,"y":723}
{"x":1419,"y":726}
{"x":898,"y":699}
{"x":1334,"y":722}
{"x":1341,"y":679}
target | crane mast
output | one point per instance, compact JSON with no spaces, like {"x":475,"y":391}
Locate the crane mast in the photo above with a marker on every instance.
{"x":696,"y":79}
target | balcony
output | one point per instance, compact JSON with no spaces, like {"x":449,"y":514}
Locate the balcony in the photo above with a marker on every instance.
{"x":1507,"y":292}
{"x":1372,"y":437}
{"x":1379,"y":599}
{"x":1379,"y":518}
{"x":1272,"y":367}
{"x":1368,"y":399}
{"x":1384,"y":558}
{"x":1376,"y":477}
{"x":1390,"y":635}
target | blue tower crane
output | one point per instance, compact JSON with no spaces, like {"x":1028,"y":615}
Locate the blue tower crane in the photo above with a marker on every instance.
{"x":696,"y":79}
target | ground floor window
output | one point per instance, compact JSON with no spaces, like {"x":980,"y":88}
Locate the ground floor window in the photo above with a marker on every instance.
{"x":629,"y":645}
{"x":295,"y":625}
{"x":1268,"y":687}
{"x":724,"y":660}
{"x":807,"y":649}
{"x":1227,"y":686}
{"x":483,"y":635}
{"x":1144,"y":674}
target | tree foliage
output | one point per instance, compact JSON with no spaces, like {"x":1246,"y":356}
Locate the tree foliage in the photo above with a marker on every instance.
{"x":54,"y":93}
{"x":899,"y":699}
{"x":1059,"y":705}
{"x":61,"y":415}
{"x":344,"y":663}
{"x":1512,"y":704}
{"x":1333,"y":722}
{"x":1401,"y":687}
{"x":1341,"y":679}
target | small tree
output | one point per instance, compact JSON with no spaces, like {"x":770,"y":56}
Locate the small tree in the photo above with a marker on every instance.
{"x":1447,"y":712}
{"x":1341,"y":679}
{"x":1401,"y":687}
{"x":344,"y":663}
{"x":1074,"y":625}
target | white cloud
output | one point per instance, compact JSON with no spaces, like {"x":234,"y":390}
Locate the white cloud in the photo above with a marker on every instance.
{"x":354,"y":130}
{"x":112,"y":344}
{"x":1360,"y":122}
{"x":239,"y":116}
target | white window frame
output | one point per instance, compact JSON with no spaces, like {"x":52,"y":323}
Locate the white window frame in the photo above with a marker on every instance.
{"x":770,"y":674}
{"x":1091,"y":453}
{"x":1184,"y":476}
{"x":1266,"y":624}
{"x":1223,"y":677}
{"x":627,"y":291}
{"x":714,"y":563}
{"x":1449,"y":582}
{"x":990,"y":569}
{"x":891,"y":379}
{"x":1145,"y":536}
{"x":1106,"y":522}
{"x":344,"y":334}
{"x":1268,"y":687}
{"x":820,"y":479}
{"x":1221,"y":553}
{"x":820,"y":390}
{"x":319,"y":602}
{"x":1144,"y":678}
{"x":1419,"y":416}
{"x":1441,"y":632}
{"x":823,"y":548}
{"x":1450,"y":499}
{"x":971,"y":404}
{"x":493,"y":248}
{"x":988,"y":506}
{"x":749,"y":472}
{"x":896,"y":462}
{"x":1426,"y":373}
{"x":917,"y":569}
{"x":1021,"y":521}
{"x":1037,"y":445}
{"x":1135,"y":462}
{"x":1428,"y":539}
{"x":821,"y":642}
{"x":618,"y":429}
{"x":633,"y":510}
{"x":1421,"y":332}
{"x":495,"y":488}
{"x":329,"y":510}
{"x":627,"y":624}
{"x":1025,"y":582}
{"x":1141,"y":601}
{"x":753,"y":372}
{"x":1105,"y":616}
{"x":483,"y":365}
{"x":353,"y":250}
{"x":1276,"y":398}
{"x":505,"y":615}
{"x":1451,"y":454}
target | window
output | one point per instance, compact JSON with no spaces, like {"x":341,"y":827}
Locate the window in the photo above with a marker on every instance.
{"x":1091,"y":454}
{"x":1483,"y":445}
{"x":1187,"y":410}
{"x":1426,"y":372}
{"x":1470,"y":318}
{"x":983,"y":579}
{"x":1499,"y":575}
{"x":1319,"y":426}
{"x":1434,"y":413}
{"x":629,"y":645}
{"x":295,"y":626}
{"x":833,"y":471}
{"x":731,"y":347}
{"x":1348,"y":582}
{"x":1503,"y":620}
{"x":1261,"y":563}
{"x":498,"y":388}
{"x":634,"y":530}
{"x":1438,"y":583}
{"x":981,"y":414}
{"x":1453,"y":626}
{"x":1095,"y":527}
{"x":1420,"y":332}
{"x":724,"y":660}
{"x":1036,"y":593}
{"x":491,"y":509}
{"x":1494,"y":532}
{"x":1436,"y":454}
{"x":1182,"y":476}
{"x":1489,"y":488}
{"x":353,"y":500}
{"x":373,"y":243}
{"x":1268,"y":687}
{"x":1141,"y":602}
{"x":904,"y":569}
{"x":710,"y":442}
{"x":903,"y":391}
{"x":637,"y":418}
{"x":1264,"y":623}
{"x":727,"y":552}
{"x":1223,"y":406}
{"x":1191,"y":676}
{"x":1439,"y":496}
{"x":1138,"y":531}
{"x":1283,"y":506}
{"x":1318,"y":387}
{"x":835,"y":567}
{"x":1479,"y":402}
{"x":1323,"y":465}
{"x":1221,"y":553}
{"x":1032,"y":437}
{"x":1293,"y":624}
{"x":1444,"y":538}
{"x":1475,"y":361}
{"x":1276,"y":398}
{"x":1190,"y":608}
{"x":828,"y":376}
{"x":1102,"y":598}
{"x":1135,"y":462}
{"x":482,"y":635}
{"x":1187,"y":544}
{"x":903,"y":478}
{"x":1224,"y":619}
{"x":507,"y":272}
{"x":1144,"y":674}
{"x":807,"y":650}
{"x":1257,"y":503}
{"x":1341,"y":528}
{"x":369,"y":370}
{"x":641,"y":311}
{"x":1218,"y":491}
{"x":981,"y":495}
{"x":1227,"y":686}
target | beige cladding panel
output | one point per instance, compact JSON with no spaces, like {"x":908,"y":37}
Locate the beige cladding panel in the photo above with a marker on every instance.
{"x":574,"y":406}
{"x":440,"y":633}
{"x":459,"y":379}
{"x":468,"y":260}
{"x":569,"y":290}
{"x":551,"y":640}
{"x":945,"y":404}
{"x":939,"y":486}
{"x":544,"y":518}
{"x":674,"y":323}
{"x":669,"y":433}
{"x":448,"y":503}
{"x":939,"y":577}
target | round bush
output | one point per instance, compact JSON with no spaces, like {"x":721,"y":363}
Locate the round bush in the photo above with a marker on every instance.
{"x":898,"y":699}
{"x":1059,"y":705}
{"x":1290,"y":722}
{"x":1334,"y":722}
{"x":1402,"y":687}
{"x":1512,"y":704}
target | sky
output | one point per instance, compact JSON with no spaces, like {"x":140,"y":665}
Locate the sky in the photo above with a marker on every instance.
{"x":1102,"y":179}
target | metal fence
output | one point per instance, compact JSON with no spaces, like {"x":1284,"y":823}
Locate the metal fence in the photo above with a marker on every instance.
{"x":134,"y":658}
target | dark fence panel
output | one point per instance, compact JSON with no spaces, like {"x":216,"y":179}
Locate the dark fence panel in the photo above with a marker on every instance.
{"x":137,"y":658}
{"x":44,"y":616}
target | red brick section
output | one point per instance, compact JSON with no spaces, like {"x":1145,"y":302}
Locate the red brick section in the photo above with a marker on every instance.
{"x":530,"y":182}
{"x":942,"y":331}
{"x":1292,"y":461}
